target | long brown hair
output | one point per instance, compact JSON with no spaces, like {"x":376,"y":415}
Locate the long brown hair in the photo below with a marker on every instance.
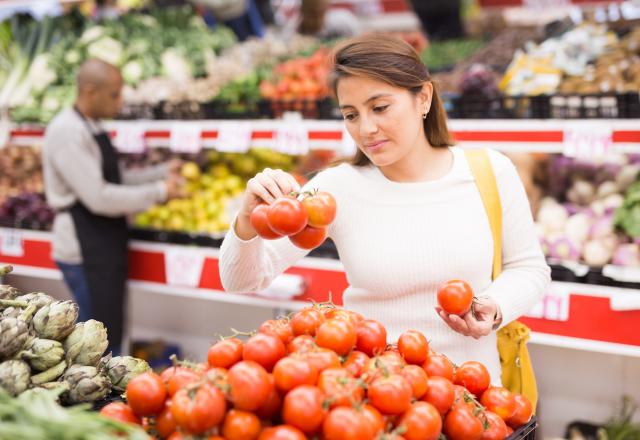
{"x":395,"y":62}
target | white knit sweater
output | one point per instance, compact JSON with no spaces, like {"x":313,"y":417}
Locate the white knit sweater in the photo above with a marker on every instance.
{"x":399,"y":241}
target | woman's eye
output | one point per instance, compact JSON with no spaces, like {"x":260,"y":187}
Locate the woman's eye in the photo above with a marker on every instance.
{"x":350,"y":117}
{"x":380,"y":108}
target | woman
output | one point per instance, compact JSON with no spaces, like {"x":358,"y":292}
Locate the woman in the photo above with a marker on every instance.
{"x":409,"y":213}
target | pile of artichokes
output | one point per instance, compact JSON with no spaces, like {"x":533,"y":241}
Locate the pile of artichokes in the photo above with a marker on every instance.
{"x":42,"y":346}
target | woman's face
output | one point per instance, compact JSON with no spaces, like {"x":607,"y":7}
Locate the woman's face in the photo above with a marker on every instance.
{"x":385,"y":121}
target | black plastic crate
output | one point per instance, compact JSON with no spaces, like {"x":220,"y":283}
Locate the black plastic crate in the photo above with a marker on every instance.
{"x":525,"y":432}
{"x":218,"y":109}
{"x":499,"y":107}
{"x":188,"y":110}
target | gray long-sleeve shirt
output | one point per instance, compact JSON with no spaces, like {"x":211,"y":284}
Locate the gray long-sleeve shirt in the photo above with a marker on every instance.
{"x":72,"y":166}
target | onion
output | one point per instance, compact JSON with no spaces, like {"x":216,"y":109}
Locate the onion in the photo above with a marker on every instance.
{"x":596,"y":253}
{"x":627,"y":254}
{"x":601,"y":227}
{"x":577,"y":227}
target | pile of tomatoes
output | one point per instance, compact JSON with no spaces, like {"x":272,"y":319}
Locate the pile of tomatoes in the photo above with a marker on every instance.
{"x":324,"y":373}
{"x":304,"y":221}
{"x":299,"y":78}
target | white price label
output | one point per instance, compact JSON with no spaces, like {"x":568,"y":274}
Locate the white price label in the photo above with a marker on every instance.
{"x":11,"y":243}
{"x":183,"y":267}
{"x":233,"y":137}
{"x":130,"y":138}
{"x":554,"y":305}
{"x":590,"y":140}
{"x":185,"y":138}
{"x":292,"y":136}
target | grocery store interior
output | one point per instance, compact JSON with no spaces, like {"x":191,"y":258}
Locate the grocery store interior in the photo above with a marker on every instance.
{"x":213,"y":93}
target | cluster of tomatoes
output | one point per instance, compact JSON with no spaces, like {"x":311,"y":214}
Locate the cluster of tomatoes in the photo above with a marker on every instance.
{"x":304,"y":221}
{"x":299,"y":78}
{"x":325,"y":373}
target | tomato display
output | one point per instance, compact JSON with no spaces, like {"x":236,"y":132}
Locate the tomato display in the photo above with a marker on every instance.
{"x":413,"y":346}
{"x":121,"y":412}
{"x":225,"y":354}
{"x":473,"y":376}
{"x":438,"y":365}
{"x":146,"y":394}
{"x":455,"y":297}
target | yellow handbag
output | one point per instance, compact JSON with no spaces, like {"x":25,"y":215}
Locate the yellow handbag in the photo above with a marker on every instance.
{"x":517,"y":370}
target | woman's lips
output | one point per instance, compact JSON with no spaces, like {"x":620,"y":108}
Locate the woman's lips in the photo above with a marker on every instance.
{"x":374,"y":146}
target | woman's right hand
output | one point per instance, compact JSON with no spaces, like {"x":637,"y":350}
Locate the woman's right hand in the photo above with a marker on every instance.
{"x":265,"y":186}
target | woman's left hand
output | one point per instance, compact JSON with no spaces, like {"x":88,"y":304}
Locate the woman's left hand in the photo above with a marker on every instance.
{"x":477,"y":322}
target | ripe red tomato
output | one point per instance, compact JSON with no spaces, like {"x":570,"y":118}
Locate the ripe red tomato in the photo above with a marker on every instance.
{"x":524,"y":411}
{"x":278,"y":327}
{"x":439,"y":393}
{"x":344,"y":423}
{"x":264,"y":349}
{"x":473,"y":376}
{"x":291,"y":372}
{"x":241,"y":425}
{"x":225,"y":353}
{"x":250,"y":385}
{"x":321,"y":209}
{"x":373,"y":418}
{"x":509,"y":430}
{"x":258,"y":220}
{"x":500,"y":401}
{"x":273,"y":404}
{"x":146,"y":394}
{"x":287,"y":216}
{"x":178,"y":377}
{"x":301,"y":343}
{"x":337,"y":335}
{"x":463,"y":397}
{"x":497,"y":429}
{"x":309,"y":237}
{"x":461,"y":424}
{"x":438,"y":365}
{"x":121,"y":412}
{"x":421,"y":422}
{"x":348,"y":315}
{"x":165,"y":424}
{"x":343,"y":388}
{"x":391,"y":394}
{"x":307,"y":321}
{"x":304,"y":408}
{"x":282,"y":432}
{"x":356,"y":362}
{"x":455,"y":297}
{"x":199,"y":412}
{"x":322,"y":358}
{"x":386,"y":363}
{"x":417,"y":378}
{"x":413,"y":346}
{"x":372,"y":337}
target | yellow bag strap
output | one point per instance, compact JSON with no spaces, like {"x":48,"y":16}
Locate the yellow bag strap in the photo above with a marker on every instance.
{"x":482,"y":170}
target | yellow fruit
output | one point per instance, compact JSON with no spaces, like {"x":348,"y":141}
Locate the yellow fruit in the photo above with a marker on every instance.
{"x":190,"y":170}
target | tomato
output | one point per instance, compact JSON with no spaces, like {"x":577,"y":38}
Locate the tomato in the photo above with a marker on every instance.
{"x":524,"y":411}
{"x":337,"y":335}
{"x":199,"y":412}
{"x":344,"y":423}
{"x":455,"y":297}
{"x":473,"y":376}
{"x":309,"y":237}
{"x":500,"y":401}
{"x":218,"y":377}
{"x":342,"y":388}
{"x":321,"y":209}
{"x":286,"y":216}
{"x":303,"y":408}
{"x":176,"y":436}
{"x":258,"y":220}
{"x":413,"y":346}
{"x":374,"y":419}
{"x":421,"y":422}
{"x":439,"y":393}
{"x":463,"y":397}
{"x":372,"y":337}
{"x":417,"y":378}
{"x":278,"y":327}
{"x":225,"y":353}
{"x":348,"y":315}
{"x":241,"y":425}
{"x":121,"y":412}
{"x":322,"y":358}
{"x":273,"y":403}
{"x":291,"y":372}
{"x":146,"y":394}
{"x":307,"y":321}
{"x":177,"y":378}
{"x":391,"y":394}
{"x":461,"y":424}
{"x":497,"y":429}
{"x":355,"y":363}
{"x":264,"y":349}
{"x":165,"y":424}
{"x":387,"y":363}
{"x":438,"y":365}
{"x":301,"y":343}
{"x":282,"y":432}
{"x":250,"y":385}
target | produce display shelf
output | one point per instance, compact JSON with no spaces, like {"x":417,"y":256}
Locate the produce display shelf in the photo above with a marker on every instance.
{"x":581,"y":136}
{"x":571,"y":315}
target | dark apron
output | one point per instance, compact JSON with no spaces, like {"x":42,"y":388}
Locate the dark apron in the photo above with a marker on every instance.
{"x":103,"y":245}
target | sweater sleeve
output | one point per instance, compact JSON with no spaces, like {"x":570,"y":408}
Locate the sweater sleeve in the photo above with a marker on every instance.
{"x":137,"y":176}
{"x":525,"y":274}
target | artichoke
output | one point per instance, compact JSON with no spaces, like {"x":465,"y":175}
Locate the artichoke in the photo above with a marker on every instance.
{"x":121,"y":369}
{"x":87,"y":343}
{"x":11,"y":312}
{"x":38,"y":299}
{"x":5,"y":270}
{"x":43,"y":354}
{"x":13,"y":336}
{"x":56,"y":320}
{"x":49,"y":375}
{"x":86,"y":384}
{"x":14,"y":376}
{"x":8,"y":292}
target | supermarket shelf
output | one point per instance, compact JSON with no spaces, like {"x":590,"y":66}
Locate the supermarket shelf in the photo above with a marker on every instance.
{"x":36,"y":272}
{"x":584,"y":344}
